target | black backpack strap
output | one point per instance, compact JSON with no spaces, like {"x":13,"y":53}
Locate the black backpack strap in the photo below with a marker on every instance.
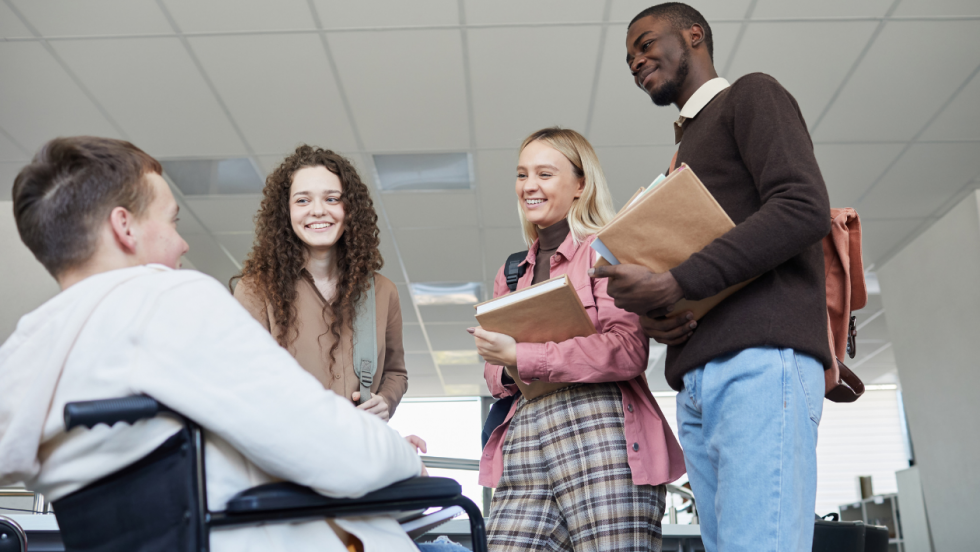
{"x":513,"y":270}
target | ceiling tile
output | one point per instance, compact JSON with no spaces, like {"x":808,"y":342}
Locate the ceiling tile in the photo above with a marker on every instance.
{"x":480,"y":12}
{"x":881,"y":101}
{"x":414,"y":98}
{"x":239,"y":244}
{"x":880,"y":237}
{"x":152,"y":89}
{"x":938,"y":7}
{"x":8,"y":172}
{"x":434,"y":255}
{"x":627,"y":169}
{"x":94,"y":17}
{"x":424,"y":386}
{"x":625,"y":10}
{"x":340,"y":14}
{"x":40,"y":101}
{"x":226,"y":214}
{"x":925,"y":178}
{"x":463,"y":374}
{"x":520,"y":85}
{"x":10,"y":151}
{"x":431,"y":209}
{"x":450,"y":337}
{"x":279,"y":89}
{"x":236,"y":15}
{"x":500,"y":243}
{"x":413,"y":340}
{"x":623,"y":113}
{"x":208,"y":257}
{"x":419,"y":364}
{"x":10,"y":24}
{"x":961,"y":119}
{"x":269,"y":163}
{"x":803,"y":45}
{"x":824,"y":8}
{"x":496,"y":176}
{"x":448,"y":313}
{"x":850,"y":169}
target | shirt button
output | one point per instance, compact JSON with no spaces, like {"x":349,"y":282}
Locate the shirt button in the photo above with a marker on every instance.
{"x":636,"y":447}
{"x":629,"y":407}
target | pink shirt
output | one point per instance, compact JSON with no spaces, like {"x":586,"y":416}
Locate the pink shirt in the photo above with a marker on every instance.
{"x":617,"y":353}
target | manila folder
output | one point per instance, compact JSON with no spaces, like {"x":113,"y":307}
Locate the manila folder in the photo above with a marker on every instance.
{"x":549,"y":311}
{"x":665,"y":227}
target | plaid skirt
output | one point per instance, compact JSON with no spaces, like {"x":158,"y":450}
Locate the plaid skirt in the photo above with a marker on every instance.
{"x":567,"y":484}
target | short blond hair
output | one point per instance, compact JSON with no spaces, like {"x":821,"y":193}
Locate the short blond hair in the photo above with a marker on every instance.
{"x":594,"y":208}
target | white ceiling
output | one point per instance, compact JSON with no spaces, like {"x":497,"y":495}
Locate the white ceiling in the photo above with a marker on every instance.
{"x":888,"y":87}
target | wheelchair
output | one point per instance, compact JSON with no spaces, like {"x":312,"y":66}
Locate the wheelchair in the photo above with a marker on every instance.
{"x":162,"y":498}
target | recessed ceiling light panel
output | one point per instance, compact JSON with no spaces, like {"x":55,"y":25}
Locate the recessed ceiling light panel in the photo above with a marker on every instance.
{"x":423,"y":172}
{"x":469,"y":293}
{"x":197,"y":177}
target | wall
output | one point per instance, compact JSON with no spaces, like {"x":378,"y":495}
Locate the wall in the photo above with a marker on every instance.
{"x":931,"y":293}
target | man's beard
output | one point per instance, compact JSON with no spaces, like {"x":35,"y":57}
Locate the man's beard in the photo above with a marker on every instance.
{"x":670,"y":90}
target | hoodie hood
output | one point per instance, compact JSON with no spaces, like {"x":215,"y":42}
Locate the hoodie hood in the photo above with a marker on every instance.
{"x":31,"y":362}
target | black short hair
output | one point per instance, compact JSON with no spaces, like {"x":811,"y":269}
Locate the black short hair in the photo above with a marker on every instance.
{"x":682,"y":17}
{"x":62,"y":197}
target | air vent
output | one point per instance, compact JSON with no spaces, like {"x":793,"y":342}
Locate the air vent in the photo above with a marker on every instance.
{"x":448,"y":294}
{"x":423,"y":172}
{"x":201,"y":177}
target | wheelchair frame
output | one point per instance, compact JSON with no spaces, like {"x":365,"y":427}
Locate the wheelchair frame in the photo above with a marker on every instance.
{"x":277,"y":501}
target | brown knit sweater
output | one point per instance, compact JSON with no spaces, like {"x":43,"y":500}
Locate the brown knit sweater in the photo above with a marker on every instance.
{"x":751,"y":148}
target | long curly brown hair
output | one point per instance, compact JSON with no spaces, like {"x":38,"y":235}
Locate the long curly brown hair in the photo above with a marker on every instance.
{"x":276,"y":262}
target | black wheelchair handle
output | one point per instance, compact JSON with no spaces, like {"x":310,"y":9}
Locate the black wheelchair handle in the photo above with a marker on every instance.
{"x":111,"y":411}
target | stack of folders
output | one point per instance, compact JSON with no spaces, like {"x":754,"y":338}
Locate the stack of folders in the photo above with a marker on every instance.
{"x":550,"y":311}
{"x":662,"y":226}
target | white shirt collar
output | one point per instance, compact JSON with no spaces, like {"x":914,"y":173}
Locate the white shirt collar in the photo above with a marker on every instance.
{"x":696,"y":103}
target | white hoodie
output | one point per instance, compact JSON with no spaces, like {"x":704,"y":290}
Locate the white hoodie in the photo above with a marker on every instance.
{"x":180,"y":337}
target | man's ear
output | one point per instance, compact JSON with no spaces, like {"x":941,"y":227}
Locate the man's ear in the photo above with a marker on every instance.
{"x":697,"y":35}
{"x":121,"y":221}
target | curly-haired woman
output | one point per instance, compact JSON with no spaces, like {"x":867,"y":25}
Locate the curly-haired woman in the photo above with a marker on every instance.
{"x":315,"y":254}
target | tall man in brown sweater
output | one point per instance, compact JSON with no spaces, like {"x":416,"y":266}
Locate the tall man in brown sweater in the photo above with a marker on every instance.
{"x":750,"y":373}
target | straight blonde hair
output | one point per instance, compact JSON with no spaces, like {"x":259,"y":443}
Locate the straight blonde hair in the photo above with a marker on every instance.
{"x":594,"y":208}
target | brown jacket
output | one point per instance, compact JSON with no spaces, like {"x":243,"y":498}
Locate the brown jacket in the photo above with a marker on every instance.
{"x":312,"y":346}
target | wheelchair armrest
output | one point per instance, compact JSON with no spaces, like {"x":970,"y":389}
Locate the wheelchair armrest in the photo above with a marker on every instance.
{"x":288,"y":496}
{"x":111,"y":411}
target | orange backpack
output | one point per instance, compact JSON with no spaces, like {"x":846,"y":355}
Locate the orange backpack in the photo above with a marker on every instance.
{"x":846,"y":292}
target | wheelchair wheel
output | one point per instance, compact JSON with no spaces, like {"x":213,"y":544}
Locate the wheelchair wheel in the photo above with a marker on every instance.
{"x":12,"y":537}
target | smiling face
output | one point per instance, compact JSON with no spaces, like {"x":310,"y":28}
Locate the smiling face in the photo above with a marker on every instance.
{"x":156,"y":229}
{"x":659,"y":58}
{"x":547,"y":184}
{"x":316,"y":210}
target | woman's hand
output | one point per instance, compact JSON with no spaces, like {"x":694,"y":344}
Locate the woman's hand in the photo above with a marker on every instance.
{"x":419,"y":445}
{"x":495,"y":348}
{"x":417,"y":442}
{"x":375,"y":405}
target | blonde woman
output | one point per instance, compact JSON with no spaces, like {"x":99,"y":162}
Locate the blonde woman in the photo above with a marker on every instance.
{"x":581,"y":467}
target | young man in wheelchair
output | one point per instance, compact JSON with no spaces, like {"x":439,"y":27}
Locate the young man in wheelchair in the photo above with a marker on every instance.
{"x":101,"y":219}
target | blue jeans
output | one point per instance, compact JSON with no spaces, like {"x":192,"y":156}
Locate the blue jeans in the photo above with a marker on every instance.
{"x":748,"y":426}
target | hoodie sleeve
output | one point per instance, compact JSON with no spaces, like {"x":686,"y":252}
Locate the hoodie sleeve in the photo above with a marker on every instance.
{"x":208,"y":358}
